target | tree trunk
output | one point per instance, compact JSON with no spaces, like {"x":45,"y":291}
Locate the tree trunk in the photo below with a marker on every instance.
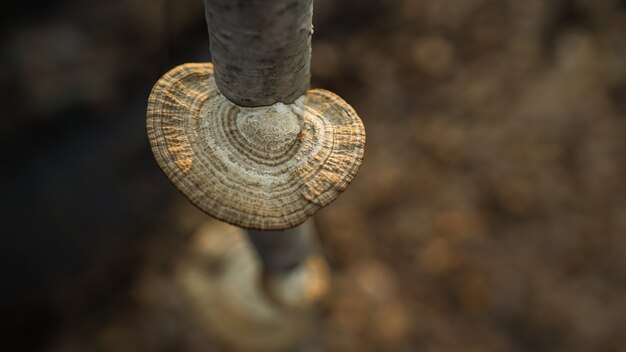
{"x":261,"y":52}
{"x":261,"y":49}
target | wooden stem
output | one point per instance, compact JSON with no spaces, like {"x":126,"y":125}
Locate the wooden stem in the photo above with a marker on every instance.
{"x":260,"y":49}
{"x":281,"y":251}
{"x":261,"y":53}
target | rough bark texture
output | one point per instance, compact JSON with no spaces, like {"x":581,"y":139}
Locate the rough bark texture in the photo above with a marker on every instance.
{"x":260,"y":48}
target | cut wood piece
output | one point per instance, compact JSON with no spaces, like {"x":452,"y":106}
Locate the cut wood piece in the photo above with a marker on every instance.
{"x":266,"y":168}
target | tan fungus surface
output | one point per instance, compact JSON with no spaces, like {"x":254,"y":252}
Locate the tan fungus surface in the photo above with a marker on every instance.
{"x":267,"y":167}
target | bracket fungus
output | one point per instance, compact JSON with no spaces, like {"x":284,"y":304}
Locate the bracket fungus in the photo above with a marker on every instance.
{"x":266,"y":167}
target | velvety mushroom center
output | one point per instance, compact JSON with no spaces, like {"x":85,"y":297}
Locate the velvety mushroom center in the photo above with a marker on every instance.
{"x":274,"y":127}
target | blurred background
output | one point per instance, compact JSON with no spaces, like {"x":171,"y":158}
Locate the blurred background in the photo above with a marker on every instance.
{"x":489,"y":213}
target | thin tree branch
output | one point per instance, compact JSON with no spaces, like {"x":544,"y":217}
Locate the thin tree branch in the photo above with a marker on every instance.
{"x":261,"y":52}
{"x":261,"y":49}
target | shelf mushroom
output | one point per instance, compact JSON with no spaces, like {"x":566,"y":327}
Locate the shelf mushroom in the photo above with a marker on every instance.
{"x":266,"y":167}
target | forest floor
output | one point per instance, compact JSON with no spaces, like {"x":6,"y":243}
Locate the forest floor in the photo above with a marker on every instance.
{"x":490,"y":211}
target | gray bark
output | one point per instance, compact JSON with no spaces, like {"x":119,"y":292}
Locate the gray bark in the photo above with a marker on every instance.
{"x":281,"y":251}
{"x":261,"y":53}
{"x":260,"y":49}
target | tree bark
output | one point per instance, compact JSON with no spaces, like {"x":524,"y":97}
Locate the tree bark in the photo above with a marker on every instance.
{"x":261,"y":53}
{"x":281,"y":251}
{"x":261,"y":49}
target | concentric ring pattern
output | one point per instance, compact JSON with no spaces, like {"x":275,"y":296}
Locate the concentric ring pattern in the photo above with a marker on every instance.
{"x":267,"y":168}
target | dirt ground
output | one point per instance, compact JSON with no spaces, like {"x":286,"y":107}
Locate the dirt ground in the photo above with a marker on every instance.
{"x":489,"y":213}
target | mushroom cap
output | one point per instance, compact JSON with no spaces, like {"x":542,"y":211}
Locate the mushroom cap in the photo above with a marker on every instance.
{"x":266,"y":168}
